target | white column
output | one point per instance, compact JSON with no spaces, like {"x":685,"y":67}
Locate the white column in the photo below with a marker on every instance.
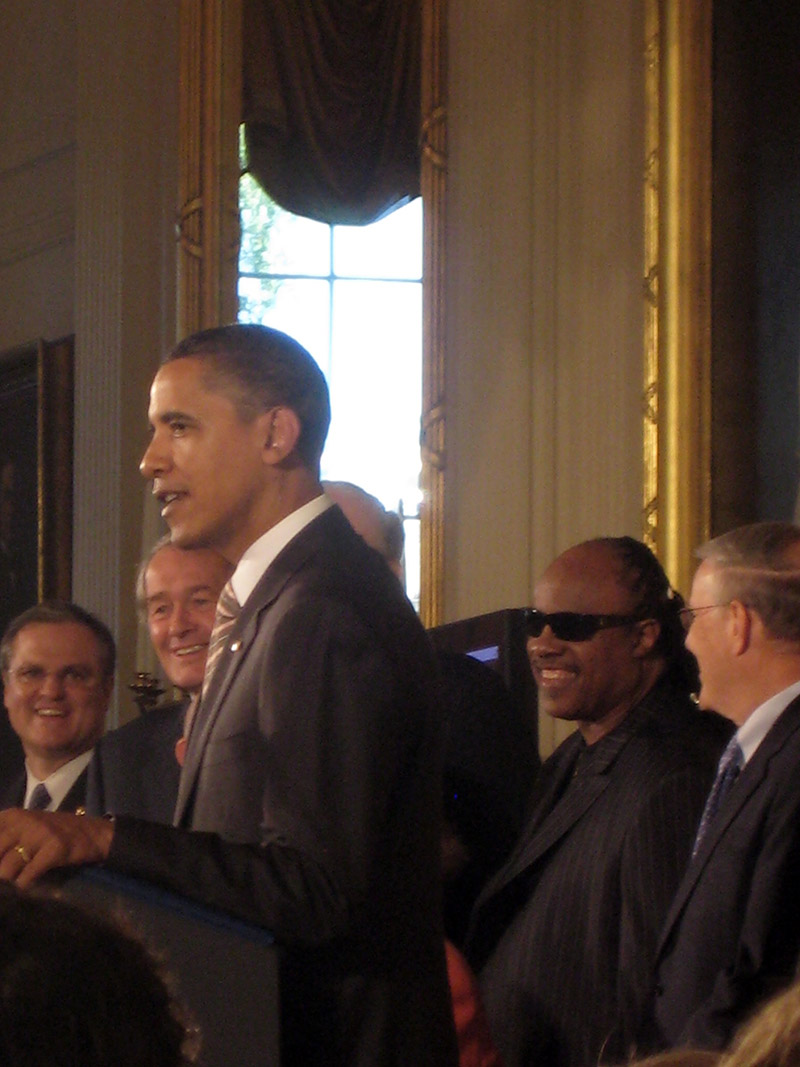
{"x":126,"y":192}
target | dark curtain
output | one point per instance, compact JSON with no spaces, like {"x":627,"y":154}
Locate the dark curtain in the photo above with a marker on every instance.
{"x":331,"y":104}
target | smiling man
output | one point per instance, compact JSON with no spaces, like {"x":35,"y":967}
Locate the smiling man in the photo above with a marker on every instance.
{"x":177,"y":593}
{"x":310,"y":796}
{"x":732,"y":936}
{"x":57,"y":662}
{"x":135,"y":769}
{"x":563,"y":936}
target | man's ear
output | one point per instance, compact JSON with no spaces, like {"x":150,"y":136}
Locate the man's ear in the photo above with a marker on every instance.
{"x":647,"y":634}
{"x":740,"y":626}
{"x":281,"y":428}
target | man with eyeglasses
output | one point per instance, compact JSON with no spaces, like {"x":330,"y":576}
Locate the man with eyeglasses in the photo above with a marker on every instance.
{"x":732,"y":935}
{"x":563,"y":936}
{"x":57,"y":662}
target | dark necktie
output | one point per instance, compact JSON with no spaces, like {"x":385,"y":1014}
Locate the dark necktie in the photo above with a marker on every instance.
{"x":40,"y":798}
{"x":227,"y":613}
{"x":730,"y":764}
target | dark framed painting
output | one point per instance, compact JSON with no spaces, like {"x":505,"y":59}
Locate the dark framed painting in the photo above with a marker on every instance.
{"x":36,"y":420}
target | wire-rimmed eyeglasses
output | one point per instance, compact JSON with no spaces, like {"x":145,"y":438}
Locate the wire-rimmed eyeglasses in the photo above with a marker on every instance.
{"x":687,"y":614}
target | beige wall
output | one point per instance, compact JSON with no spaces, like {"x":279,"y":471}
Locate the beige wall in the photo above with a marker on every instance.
{"x":37,"y":169}
{"x":127,"y":122}
{"x":543,"y":283}
{"x":544,"y":292}
{"x":88,"y":121}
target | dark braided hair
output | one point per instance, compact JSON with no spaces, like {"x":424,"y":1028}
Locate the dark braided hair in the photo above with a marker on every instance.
{"x":654,"y":598}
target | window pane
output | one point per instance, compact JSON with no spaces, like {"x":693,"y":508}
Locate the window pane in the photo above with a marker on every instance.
{"x":389,"y":248}
{"x":275,"y":241}
{"x":369,"y":346}
{"x":300,"y":308}
{"x":375,"y":390}
{"x":413,"y":559}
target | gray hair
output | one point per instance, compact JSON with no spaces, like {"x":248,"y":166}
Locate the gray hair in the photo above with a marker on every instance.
{"x":393,"y":535}
{"x":759,"y":565}
{"x":141,"y":574}
{"x":141,"y":571}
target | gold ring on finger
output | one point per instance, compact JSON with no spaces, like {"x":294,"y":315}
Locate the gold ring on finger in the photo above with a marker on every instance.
{"x":23,"y":853}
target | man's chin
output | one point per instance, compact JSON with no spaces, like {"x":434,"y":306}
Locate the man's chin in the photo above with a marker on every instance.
{"x":556,"y":710}
{"x":187,"y":683}
{"x":183,"y":538}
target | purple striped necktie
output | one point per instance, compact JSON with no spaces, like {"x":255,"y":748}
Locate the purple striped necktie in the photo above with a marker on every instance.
{"x":730,"y":764}
{"x":40,"y":798}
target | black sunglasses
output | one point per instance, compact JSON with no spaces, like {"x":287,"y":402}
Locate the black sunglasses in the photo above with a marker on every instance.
{"x":572,"y":626}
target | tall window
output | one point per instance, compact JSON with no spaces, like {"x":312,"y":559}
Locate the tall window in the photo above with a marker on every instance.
{"x":352,"y":295}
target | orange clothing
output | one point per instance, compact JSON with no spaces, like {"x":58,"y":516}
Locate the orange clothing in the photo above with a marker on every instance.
{"x":475,"y":1047}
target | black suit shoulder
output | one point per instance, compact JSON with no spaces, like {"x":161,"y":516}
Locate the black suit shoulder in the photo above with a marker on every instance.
{"x":12,"y":758}
{"x":589,"y":883}
{"x":318,"y":741}
{"x":345,"y":571}
{"x":134,"y":770}
{"x":14,"y":795}
{"x":732,"y":935}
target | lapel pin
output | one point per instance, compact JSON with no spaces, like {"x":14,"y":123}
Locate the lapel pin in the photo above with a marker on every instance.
{"x":235,"y":646}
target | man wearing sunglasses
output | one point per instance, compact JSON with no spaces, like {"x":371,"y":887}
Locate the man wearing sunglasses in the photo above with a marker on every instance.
{"x":732,"y":936}
{"x":564,"y":936}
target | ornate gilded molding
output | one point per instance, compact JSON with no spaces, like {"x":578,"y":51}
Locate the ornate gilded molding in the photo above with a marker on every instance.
{"x":433,"y":139}
{"x":651,"y":260}
{"x":210,"y":111}
{"x":436,"y":118}
{"x":677,"y":282}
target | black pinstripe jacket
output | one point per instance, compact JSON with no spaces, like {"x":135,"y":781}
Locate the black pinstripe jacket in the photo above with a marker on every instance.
{"x":565,"y":934}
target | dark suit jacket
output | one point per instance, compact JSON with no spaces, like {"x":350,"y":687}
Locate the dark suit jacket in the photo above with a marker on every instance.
{"x":134,"y":770}
{"x":564,"y":935}
{"x":313,"y":772}
{"x":732,"y":935}
{"x":14,"y":795}
{"x":12,"y":758}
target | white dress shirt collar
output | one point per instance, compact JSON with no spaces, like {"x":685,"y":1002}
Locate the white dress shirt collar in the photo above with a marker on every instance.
{"x":59,"y":782}
{"x":262,"y":552}
{"x":757,"y":725}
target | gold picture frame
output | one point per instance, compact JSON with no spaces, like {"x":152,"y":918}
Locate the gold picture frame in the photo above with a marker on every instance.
{"x":36,"y":412}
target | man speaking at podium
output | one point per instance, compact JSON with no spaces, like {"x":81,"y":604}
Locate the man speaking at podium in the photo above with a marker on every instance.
{"x":310,"y":792}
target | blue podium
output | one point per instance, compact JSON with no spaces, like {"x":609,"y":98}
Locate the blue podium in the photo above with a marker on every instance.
{"x":225,"y":970}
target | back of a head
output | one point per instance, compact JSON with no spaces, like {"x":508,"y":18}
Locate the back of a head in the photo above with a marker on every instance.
{"x":260,"y":368}
{"x":759,"y":565}
{"x":489,"y":757}
{"x":381,"y":529}
{"x":679,"y":1057}
{"x":76,"y":990}
{"x":772,"y":1036}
